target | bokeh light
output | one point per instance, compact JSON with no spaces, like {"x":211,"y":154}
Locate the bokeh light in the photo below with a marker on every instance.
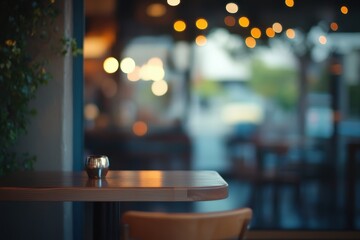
{"x":344,"y":9}
{"x":152,"y":70}
{"x":127,"y":65}
{"x":156,"y":10}
{"x":159,"y":88}
{"x":232,"y":8}
{"x":91,"y":111}
{"x":334,"y":26}
{"x":250,"y":42}
{"x":111,"y":65}
{"x":322,"y":39}
{"x":140,"y":128}
{"x":134,"y":75}
{"x":277,"y":27}
{"x":200,"y":40}
{"x":336,"y":69}
{"x":173,"y":3}
{"x":255,"y":32}
{"x":290,"y":33}
{"x":201,"y":23}
{"x":270,"y":32}
{"x":157,"y":73}
{"x":289,"y":3}
{"x":179,"y":26}
{"x":229,"y":21}
{"x":145,"y":72}
{"x":244,"y":22}
{"x":155,"y":61}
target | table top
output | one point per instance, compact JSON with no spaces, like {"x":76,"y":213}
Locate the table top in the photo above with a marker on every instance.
{"x":117,"y":186}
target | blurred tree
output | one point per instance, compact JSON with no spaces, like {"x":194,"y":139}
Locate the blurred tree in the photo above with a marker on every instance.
{"x":279,"y":84}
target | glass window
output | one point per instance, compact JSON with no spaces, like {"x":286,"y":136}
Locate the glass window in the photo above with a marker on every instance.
{"x":263,"y":92}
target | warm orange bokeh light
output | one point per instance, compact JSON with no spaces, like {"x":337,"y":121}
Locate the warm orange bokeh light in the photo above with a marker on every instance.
{"x":277,"y":27}
{"x":134,"y":75}
{"x":336,"y":69}
{"x":201,"y":23}
{"x":179,"y":26}
{"x":344,"y":10}
{"x":289,"y":3}
{"x":322,"y":39}
{"x":255,"y":32}
{"x":140,"y":128}
{"x":156,"y":10}
{"x":250,"y":42}
{"x":334,"y":26}
{"x":244,"y":22}
{"x":200,"y":40}
{"x":290,"y":33}
{"x":229,"y":21}
{"x":270,"y":32}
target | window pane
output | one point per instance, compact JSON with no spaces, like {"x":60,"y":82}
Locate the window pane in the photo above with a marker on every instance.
{"x":271,"y":104}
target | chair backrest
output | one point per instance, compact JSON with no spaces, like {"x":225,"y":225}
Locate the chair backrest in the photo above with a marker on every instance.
{"x":186,"y":226}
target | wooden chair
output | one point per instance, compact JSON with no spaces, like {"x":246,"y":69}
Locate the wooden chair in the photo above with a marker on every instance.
{"x":142,"y":225}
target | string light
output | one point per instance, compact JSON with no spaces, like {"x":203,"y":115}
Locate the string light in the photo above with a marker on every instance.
{"x":244,"y":22}
{"x":270,"y":32}
{"x":290,"y":33}
{"x":322,"y":40}
{"x":200,"y":40}
{"x":229,"y":21}
{"x":134,"y":75}
{"x":111,"y":65}
{"x":289,"y":3}
{"x":173,"y":3}
{"x":159,"y":88}
{"x":232,"y":8}
{"x":255,"y":32}
{"x":344,"y":9}
{"x":334,"y":26}
{"x":201,"y":23}
{"x":127,"y":65}
{"x":250,"y":42}
{"x":179,"y":26}
{"x":277,"y":27}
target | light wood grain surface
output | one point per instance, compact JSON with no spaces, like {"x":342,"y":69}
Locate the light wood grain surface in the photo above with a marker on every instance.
{"x":117,"y":186}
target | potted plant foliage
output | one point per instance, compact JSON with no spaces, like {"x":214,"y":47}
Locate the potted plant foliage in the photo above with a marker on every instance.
{"x":23,"y":22}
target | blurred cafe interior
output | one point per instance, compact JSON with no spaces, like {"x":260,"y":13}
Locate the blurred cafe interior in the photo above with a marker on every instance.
{"x":265,"y":92}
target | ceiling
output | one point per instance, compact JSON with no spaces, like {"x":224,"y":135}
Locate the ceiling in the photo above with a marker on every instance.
{"x":128,"y":18}
{"x":304,"y":14}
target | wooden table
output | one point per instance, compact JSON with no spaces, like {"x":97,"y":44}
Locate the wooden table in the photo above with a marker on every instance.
{"x":118,"y":186}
